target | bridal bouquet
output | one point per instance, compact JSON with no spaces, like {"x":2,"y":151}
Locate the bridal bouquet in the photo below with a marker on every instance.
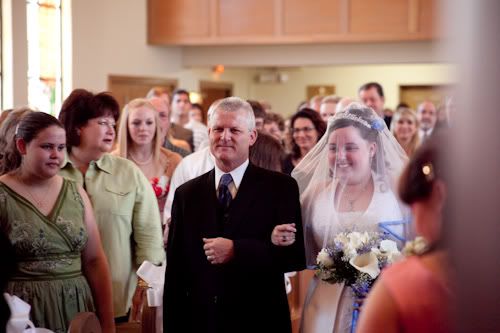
{"x":356,"y":259}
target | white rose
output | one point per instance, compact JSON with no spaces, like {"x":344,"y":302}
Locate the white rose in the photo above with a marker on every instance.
{"x":342,"y":239}
{"x":420,"y":245}
{"x":366,"y":263}
{"x":324,"y":259}
{"x":415,"y":247}
{"x":388,"y":246}
{"x":355,"y":239}
{"x":389,"y":249}
{"x":365,"y":237}
{"x":350,"y":252}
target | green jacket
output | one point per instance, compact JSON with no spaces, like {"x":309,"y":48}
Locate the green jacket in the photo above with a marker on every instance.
{"x":127,"y":215}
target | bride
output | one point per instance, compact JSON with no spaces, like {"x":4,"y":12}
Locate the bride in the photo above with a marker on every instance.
{"x":346,"y":184}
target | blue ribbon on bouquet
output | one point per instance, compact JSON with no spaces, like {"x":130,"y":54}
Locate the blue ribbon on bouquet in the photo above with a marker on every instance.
{"x":355,"y":316}
{"x":360,"y":294}
{"x":389,"y":226}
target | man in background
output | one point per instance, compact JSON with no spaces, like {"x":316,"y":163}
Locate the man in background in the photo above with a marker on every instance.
{"x":328,"y":106}
{"x":163,"y":110}
{"x":427,"y":115}
{"x":372,"y":94}
{"x":200,"y":131}
{"x":315,"y":102}
{"x":180,"y":106}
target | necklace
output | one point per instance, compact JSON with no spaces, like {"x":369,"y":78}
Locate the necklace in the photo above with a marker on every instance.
{"x":41,"y":203}
{"x":138,"y":162}
{"x":351,"y":199}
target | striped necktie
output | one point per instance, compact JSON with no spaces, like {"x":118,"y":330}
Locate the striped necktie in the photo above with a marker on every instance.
{"x":224,"y":194}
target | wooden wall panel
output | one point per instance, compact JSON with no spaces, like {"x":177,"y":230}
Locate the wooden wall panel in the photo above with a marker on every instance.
{"x":428,"y":17}
{"x":246,"y":18}
{"x":312,"y":17}
{"x":174,"y":20}
{"x":239,"y":22}
{"x":126,"y":88}
{"x":378,"y":17}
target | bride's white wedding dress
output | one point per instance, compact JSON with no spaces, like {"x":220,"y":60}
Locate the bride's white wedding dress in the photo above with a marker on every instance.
{"x":328,"y":307}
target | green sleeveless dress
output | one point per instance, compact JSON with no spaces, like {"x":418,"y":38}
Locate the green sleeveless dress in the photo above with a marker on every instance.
{"x":48,"y":248}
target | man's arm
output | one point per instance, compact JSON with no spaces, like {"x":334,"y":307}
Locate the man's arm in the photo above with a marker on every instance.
{"x":261,"y":253}
{"x":286,"y":258}
{"x":173,"y":300}
{"x":178,"y":178}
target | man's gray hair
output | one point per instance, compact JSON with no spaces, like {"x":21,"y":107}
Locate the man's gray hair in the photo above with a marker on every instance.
{"x":232,"y":104}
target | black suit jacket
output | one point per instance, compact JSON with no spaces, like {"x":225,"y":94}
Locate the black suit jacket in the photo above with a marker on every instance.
{"x":248,"y":293}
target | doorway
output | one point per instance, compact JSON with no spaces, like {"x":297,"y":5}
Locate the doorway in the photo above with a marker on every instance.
{"x":414,"y":95}
{"x":319,"y":90}
{"x":126,"y":88}
{"x":212,"y":91}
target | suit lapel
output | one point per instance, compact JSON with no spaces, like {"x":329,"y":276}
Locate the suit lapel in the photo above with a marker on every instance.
{"x":243,"y":201}
{"x":209,"y":227}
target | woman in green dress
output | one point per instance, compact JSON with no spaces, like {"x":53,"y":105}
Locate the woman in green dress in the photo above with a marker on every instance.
{"x":61,"y":269}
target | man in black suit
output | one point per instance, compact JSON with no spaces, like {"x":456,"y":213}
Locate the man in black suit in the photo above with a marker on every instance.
{"x":223,"y":272}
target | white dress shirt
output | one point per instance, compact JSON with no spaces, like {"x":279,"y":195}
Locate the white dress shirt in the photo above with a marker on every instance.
{"x":200,"y":134}
{"x":423,"y":135}
{"x":191,"y":166}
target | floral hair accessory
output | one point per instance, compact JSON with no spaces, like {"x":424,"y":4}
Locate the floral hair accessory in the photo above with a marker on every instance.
{"x":377,"y":124}
{"x":428,"y":171}
{"x":418,"y":246}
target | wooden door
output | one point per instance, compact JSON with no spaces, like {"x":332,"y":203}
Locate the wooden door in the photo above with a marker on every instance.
{"x":126,"y":88}
{"x":319,"y":90}
{"x":414,"y":95}
{"x":212,"y":91}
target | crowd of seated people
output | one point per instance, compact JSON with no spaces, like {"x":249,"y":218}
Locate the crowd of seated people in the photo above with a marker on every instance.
{"x":88,"y":197}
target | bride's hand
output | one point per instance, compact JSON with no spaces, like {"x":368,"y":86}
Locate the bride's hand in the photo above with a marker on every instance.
{"x":283,"y":234}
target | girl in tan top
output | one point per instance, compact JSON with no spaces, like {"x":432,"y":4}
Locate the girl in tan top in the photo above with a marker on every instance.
{"x":404,"y":126}
{"x":140,"y":142}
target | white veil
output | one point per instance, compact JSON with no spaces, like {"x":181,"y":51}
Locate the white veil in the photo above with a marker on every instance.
{"x":322,"y":186}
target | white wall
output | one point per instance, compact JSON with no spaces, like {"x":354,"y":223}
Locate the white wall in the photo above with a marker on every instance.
{"x":347,"y":79}
{"x":313,"y":54}
{"x":109,"y":37}
{"x":240,"y":78}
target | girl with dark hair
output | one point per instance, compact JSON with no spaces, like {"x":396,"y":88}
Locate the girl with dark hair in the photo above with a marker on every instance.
{"x":414,"y":295}
{"x":267,"y":152}
{"x":307,"y":128}
{"x":62,"y":269}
